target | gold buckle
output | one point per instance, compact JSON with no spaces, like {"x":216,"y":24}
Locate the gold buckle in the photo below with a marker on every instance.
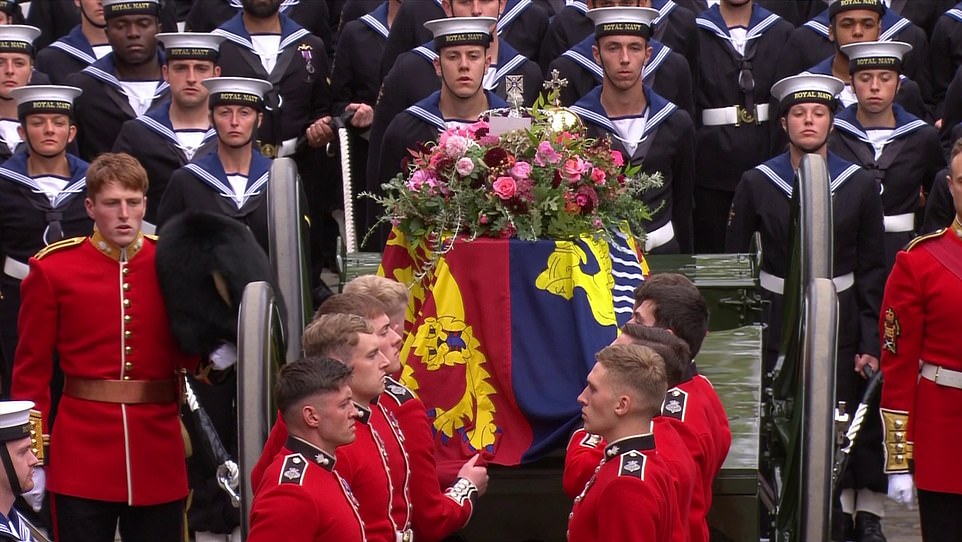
{"x":744,"y":116}
{"x":269,"y":150}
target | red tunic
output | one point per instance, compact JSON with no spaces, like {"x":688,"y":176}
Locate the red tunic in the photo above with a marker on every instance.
{"x":632,"y":496}
{"x":920,"y":323}
{"x":437,"y":514}
{"x":303,"y":499}
{"x":107,"y":320}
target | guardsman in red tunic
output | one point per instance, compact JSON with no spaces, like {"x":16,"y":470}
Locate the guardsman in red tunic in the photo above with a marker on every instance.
{"x":302,"y":495}
{"x":585,"y":450}
{"x":631,"y":495}
{"x":116,"y":452}
{"x":921,"y":402}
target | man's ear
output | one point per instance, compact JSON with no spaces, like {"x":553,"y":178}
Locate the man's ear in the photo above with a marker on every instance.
{"x":437,"y":67}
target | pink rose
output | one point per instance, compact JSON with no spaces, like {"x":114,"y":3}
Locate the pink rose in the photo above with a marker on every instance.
{"x":464,"y":166}
{"x":483,"y":219}
{"x":521,"y":170}
{"x":598,"y":176}
{"x":490,"y":140}
{"x":573,"y":168}
{"x":617,"y":159}
{"x":546,"y":154}
{"x":505,"y":187}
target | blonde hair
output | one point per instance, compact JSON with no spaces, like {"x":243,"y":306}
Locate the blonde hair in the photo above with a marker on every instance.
{"x":334,"y":335}
{"x":640,"y":371}
{"x":392,"y":293}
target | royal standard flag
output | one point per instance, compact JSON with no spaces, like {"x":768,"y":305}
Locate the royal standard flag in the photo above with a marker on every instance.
{"x":502,"y":334}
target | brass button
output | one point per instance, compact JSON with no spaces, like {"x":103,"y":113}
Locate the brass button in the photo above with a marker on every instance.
{"x":126,"y":286}
{"x":126,"y":303}
{"x":126,"y":377}
{"x":126,"y":270}
{"x":126,"y":318}
{"x":128,"y":365}
{"x":128,"y":350}
{"x":127,"y":333}
{"x":900,"y":448}
{"x":898,"y":424}
{"x":899,"y":436}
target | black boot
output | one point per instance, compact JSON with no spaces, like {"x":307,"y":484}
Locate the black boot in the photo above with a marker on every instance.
{"x":868,"y":528}
{"x":843,"y":527}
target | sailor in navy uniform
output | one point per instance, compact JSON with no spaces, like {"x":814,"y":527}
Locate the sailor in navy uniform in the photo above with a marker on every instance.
{"x":738,"y":57}
{"x":232,"y":180}
{"x":206,"y":15}
{"x":898,"y":148}
{"x":10,"y":12}
{"x":177,"y":131}
{"x":124,"y":84}
{"x":522,"y":23}
{"x":763,"y":204}
{"x":945,"y":54}
{"x":819,"y":38}
{"x":18,"y":454}
{"x":41,"y":198}
{"x":675,"y":27}
{"x":651,"y":132}
{"x":449,"y":106}
{"x":85,"y":44}
{"x":667,"y":73}
{"x":16,"y":56}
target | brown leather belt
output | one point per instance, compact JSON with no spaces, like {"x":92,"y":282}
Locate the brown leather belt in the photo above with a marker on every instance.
{"x":129,"y":392}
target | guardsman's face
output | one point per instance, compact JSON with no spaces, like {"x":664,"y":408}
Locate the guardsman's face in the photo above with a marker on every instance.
{"x":808,"y":126}
{"x":389,"y":341}
{"x":24,"y":461}
{"x":368,"y":365}
{"x":133,"y":38}
{"x":462,"y":69}
{"x":875,"y":89}
{"x":955,"y":183}
{"x":854,"y":26}
{"x":235,"y":124}
{"x":185,"y":76}
{"x":598,"y":401}
{"x":15,"y":70}
{"x":622,"y":58}
{"x":117,"y":213}
{"x":92,"y":9}
{"x":644,"y":313}
{"x":336,"y":414}
{"x":47,"y":134}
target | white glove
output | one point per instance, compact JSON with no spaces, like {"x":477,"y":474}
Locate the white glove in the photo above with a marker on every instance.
{"x":34,"y":497}
{"x":902,"y":489}
{"x":224,"y":356}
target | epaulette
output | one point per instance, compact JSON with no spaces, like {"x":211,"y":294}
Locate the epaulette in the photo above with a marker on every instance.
{"x":397,"y":391}
{"x":676,"y":404}
{"x":934,"y":235}
{"x":590,"y":440}
{"x":151,"y":236}
{"x":293,"y":470}
{"x":59,"y":245}
{"x":633,"y":464}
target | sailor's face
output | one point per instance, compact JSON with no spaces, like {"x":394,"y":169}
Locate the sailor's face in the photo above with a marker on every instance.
{"x":854,"y":26}
{"x":92,"y":9}
{"x":24,"y":461}
{"x":808,"y":126}
{"x":623,"y":59}
{"x":133,"y":37}
{"x":875,"y":89}
{"x":462,"y":68}
{"x":476,"y":8}
{"x":47,"y":134}
{"x":235,"y":124}
{"x":184,"y":78}
{"x":15,"y":71}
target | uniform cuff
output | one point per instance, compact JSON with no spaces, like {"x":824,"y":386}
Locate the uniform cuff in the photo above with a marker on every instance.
{"x":463,"y":490}
{"x":898,"y":450}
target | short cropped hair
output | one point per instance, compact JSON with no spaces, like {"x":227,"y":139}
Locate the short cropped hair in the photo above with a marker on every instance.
{"x":363,"y":305}
{"x":307,"y":377}
{"x":640,"y":370}
{"x":673,"y":351}
{"x":115,"y":167}
{"x":679,"y":306}
{"x":956,"y":149}
{"x":334,"y":335}
{"x":391,"y":293}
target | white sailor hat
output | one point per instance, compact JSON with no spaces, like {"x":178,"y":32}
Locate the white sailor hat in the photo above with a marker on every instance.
{"x":237,"y":91}
{"x":55,"y":99}
{"x":17,"y":38}
{"x":622,"y":21}
{"x":190,"y":45}
{"x":15,"y":420}
{"x":807,"y":88}
{"x":837,"y":6}
{"x":119,"y":8}
{"x":875,"y":55}
{"x":461,"y":31}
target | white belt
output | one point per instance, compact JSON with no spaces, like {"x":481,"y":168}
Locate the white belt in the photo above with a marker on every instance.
{"x":777,"y":284}
{"x":941,"y":375}
{"x":899,"y":223}
{"x":15,"y":269}
{"x":662,"y":235}
{"x":147,"y":227}
{"x":734,"y":115}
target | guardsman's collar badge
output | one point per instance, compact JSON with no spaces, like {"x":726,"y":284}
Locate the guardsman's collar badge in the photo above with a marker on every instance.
{"x":120,"y":254}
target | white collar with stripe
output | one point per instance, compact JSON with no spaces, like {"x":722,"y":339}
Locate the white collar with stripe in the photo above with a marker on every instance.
{"x":780,"y":167}
{"x":590,"y":109}
{"x":224,"y":189}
